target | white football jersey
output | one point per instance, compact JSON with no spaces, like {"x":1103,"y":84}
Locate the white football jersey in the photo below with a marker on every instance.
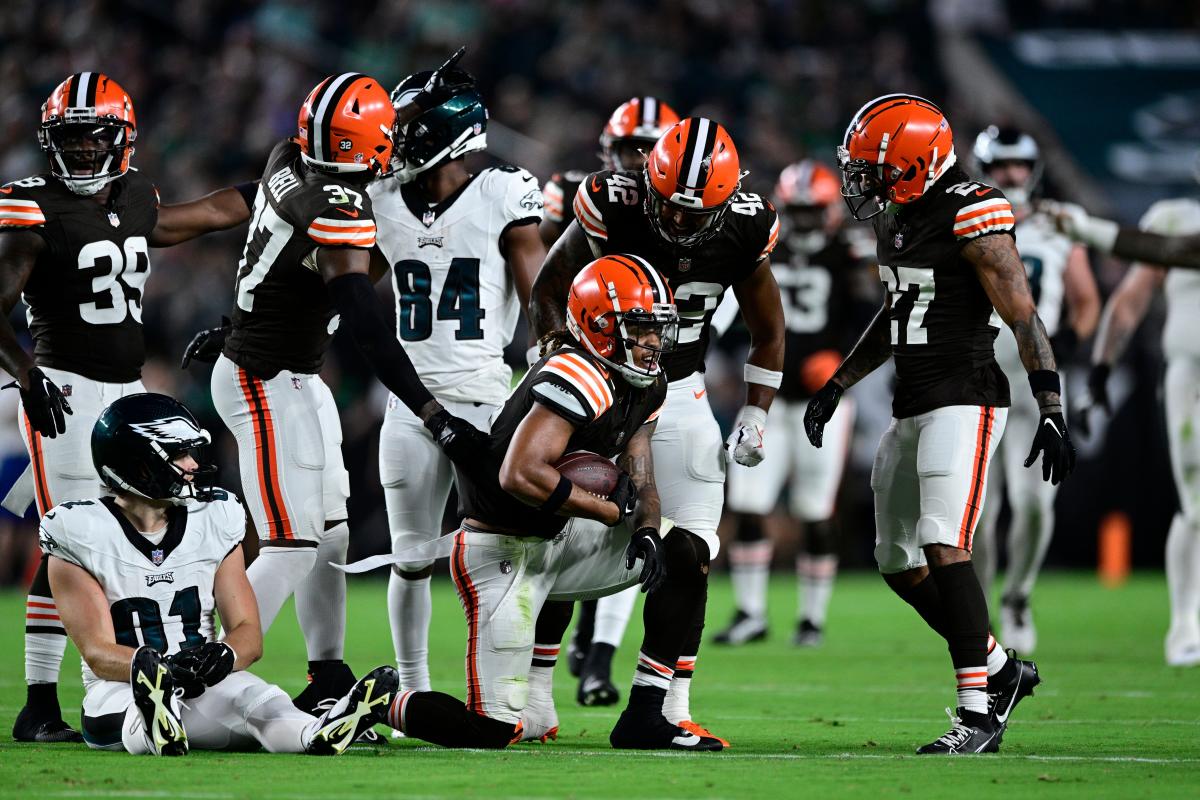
{"x":1181,"y":332}
{"x":456,"y":304}
{"x":159,"y":595}
{"x":1045,"y":252}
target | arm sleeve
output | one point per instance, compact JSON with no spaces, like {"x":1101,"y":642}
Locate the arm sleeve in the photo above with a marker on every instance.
{"x":354,"y":298}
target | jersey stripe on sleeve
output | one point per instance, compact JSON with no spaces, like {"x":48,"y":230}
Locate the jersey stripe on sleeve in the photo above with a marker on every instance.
{"x":589,"y":215}
{"x":20,"y":213}
{"x":552,"y":193}
{"x":584,"y":377}
{"x":346,"y":232}
{"x":989,"y":216}
{"x":772,"y":240}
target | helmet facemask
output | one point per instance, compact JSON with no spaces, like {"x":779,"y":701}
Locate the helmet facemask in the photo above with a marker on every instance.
{"x":87,"y":154}
{"x":699,"y":223}
{"x":636,"y":339}
{"x":865,"y":186}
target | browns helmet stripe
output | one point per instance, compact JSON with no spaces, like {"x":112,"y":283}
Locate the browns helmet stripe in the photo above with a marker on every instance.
{"x":649,"y":111}
{"x":83,"y":90}
{"x":878,"y":104}
{"x":319,"y":143}
{"x":643,"y":270}
{"x":697,"y":155}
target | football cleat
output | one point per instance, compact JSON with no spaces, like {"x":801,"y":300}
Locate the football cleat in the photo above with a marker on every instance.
{"x":1003,"y":697}
{"x":638,"y":730}
{"x":742,"y":630}
{"x":157,"y":698}
{"x":1016,"y":620}
{"x":576,"y":655}
{"x":44,"y":726}
{"x":808,"y":635}
{"x":596,"y":689}
{"x":970,"y":732}
{"x":700,"y":730}
{"x":365,"y":705}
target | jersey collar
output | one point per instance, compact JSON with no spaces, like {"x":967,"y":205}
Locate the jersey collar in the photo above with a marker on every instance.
{"x":419,"y":206}
{"x":156,"y":554}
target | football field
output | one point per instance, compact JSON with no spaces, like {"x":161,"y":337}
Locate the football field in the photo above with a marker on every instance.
{"x":1110,"y":720}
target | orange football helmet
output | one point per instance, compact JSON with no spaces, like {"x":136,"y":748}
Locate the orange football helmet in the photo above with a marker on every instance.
{"x":807,"y":198}
{"x":347,"y":124}
{"x":633,"y":128}
{"x":692,"y":175}
{"x":87,"y":131}
{"x":619,"y":303}
{"x":895,"y":148}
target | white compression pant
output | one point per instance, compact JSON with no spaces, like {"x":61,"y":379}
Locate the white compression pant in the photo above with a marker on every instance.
{"x":1182,"y":399}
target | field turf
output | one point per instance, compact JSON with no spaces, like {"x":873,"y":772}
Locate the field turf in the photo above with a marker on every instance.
{"x":842,"y":721}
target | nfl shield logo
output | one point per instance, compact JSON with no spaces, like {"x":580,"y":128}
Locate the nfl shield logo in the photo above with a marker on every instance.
{"x":156,"y":556}
{"x":114,"y":220}
{"x":428,"y":218}
{"x":899,"y":240}
{"x":685,"y":264}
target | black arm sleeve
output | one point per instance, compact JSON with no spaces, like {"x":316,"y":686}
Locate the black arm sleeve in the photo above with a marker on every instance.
{"x":354,"y":298}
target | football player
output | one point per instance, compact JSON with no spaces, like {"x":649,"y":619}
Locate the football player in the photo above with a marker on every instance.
{"x":1170,"y":235}
{"x":303,"y":272}
{"x":467,"y":245}
{"x":949,"y":263}
{"x":1058,"y":271}
{"x":822,"y":286}
{"x":530,"y":534}
{"x":685,"y":213}
{"x":139,"y":571}
{"x":630,"y":132}
{"x":75,"y":245}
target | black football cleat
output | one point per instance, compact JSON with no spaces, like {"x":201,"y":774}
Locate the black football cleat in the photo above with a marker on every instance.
{"x":970,"y":732}
{"x":158,"y":699}
{"x":43,"y":724}
{"x":1003,"y":696}
{"x":808,"y":635}
{"x":597,"y":689}
{"x":325,"y":689}
{"x":742,"y":630}
{"x":365,"y":705}
{"x":640,"y":730}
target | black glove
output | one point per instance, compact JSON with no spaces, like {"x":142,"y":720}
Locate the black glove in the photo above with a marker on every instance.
{"x":44,"y":404}
{"x":461,"y":441}
{"x":647,"y":544}
{"x":1097,"y":398}
{"x":446,"y":82}
{"x":207,"y":344}
{"x":199,"y":667}
{"x":820,"y":410}
{"x":1053,"y":442}
{"x":625,"y":495}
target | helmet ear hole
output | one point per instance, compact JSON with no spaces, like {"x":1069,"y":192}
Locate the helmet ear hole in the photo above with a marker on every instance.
{"x":911,"y":172}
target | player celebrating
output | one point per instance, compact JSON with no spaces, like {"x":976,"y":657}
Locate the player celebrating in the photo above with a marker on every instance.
{"x":139,"y":574}
{"x":76,"y":244}
{"x":948,"y":260}
{"x":818,"y":276}
{"x":1057,"y":270}
{"x":531,"y":534}
{"x":304,"y":271}
{"x":686,"y":214}
{"x":468,"y":245}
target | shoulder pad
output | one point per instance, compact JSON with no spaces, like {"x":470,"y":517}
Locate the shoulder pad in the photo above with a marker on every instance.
{"x":978,"y":209}
{"x":590,"y":200}
{"x":339,"y":215}
{"x":522,"y":197}
{"x":63,"y":530}
{"x":758,"y":222}
{"x":18,"y":205}
{"x":581,"y":380}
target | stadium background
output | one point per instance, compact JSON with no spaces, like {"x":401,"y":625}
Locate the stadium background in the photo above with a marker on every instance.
{"x":216,"y":82}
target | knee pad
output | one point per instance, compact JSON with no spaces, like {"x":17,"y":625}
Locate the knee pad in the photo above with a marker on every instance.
{"x":820,"y":538}
{"x":686,"y":554}
{"x":405,"y":540}
{"x":749,"y":528}
{"x":410,"y":572}
{"x":491,"y":733}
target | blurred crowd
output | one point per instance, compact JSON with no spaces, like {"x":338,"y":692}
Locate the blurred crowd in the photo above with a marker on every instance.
{"x":216,"y":82}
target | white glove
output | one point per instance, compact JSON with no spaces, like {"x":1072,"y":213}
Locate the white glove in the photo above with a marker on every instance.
{"x":1075,"y":222}
{"x":745,"y":444}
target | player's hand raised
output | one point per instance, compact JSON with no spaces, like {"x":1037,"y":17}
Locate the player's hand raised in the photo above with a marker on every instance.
{"x":44,"y":404}
{"x":461,"y":441}
{"x":820,"y":411}
{"x":207,"y":344}
{"x":1053,"y":443}
{"x":647,"y":545}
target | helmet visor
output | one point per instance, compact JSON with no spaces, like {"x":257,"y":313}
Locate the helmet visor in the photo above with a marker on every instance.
{"x":685,"y":227}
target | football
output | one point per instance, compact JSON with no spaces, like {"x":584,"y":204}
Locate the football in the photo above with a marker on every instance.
{"x":588,"y":471}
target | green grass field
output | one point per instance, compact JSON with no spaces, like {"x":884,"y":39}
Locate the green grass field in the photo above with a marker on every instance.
{"x":1109,"y":721}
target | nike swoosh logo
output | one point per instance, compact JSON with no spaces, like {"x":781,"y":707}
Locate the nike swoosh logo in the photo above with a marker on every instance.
{"x":700,"y":393}
{"x":1053,"y":427}
{"x":595,"y":184}
{"x":982,"y":192}
{"x":1002,"y":718}
{"x":6,"y":190}
{"x":348,"y":212}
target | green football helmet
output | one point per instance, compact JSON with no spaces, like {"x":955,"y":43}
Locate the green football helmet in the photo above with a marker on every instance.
{"x":445,"y":132}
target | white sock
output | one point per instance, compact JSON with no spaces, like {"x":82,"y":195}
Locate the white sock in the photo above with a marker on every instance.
{"x":275,"y":575}
{"x":612,"y":616}
{"x":539,"y":707}
{"x":410,"y":608}
{"x":321,"y":598}
{"x":45,"y":640}
{"x":972,"y":688}
{"x":996,"y":657}
{"x":749,"y":568}
{"x":677,"y":705}
{"x":279,"y":726}
{"x":815,"y":575}
{"x":1183,"y":583}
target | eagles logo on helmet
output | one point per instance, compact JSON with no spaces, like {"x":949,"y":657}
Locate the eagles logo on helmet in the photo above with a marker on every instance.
{"x":88,"y":129}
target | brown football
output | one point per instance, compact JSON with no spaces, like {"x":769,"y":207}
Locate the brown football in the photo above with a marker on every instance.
{"x":588,"y":471}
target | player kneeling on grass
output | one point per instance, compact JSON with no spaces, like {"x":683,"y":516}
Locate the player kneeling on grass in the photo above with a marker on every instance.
{"x":531,"y":535}
{"x":137,"y":574}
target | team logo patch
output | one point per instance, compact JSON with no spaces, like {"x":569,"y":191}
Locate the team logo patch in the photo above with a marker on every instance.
{"x":427,"y":241}
{"x":428,"y":218}
{"x":358,"y":158}
{"x":898,"y":242}
{"x":157,"y":556}
{"x":477,"y":128}
{"x":533,"y":199}
{"x":296,"y":383}
{"x":505,"y":566}
{"x":620,"y":438}
{"x":162,"y":577}
{"x":66,"y":390}
{"x":685,"y":264}
{"x":114,"y":220}
{"x":46,"y":540}
{"x":344,"y":145}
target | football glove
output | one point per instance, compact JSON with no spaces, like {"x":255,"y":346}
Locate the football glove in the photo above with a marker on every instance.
{"x":647,"y":544}
{"x":461,"y":441}
{"x":1097,"y":397}
{"x":820,"y":411}
{"x":207,"y":344}
{"x":745,"y":444}
{"x":625,"y":496}
{"x":44,"y":404}
{"x":1053,"y":443}
{"x":1074,"y":221}
{"x":199,"y":667}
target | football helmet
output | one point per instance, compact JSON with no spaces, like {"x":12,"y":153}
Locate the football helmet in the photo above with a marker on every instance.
{"x":615,"y":300}
{"x":135,"y":442}
{"x":806,"y":195}
{"x":87,"y":131}
{"x":346,"y":125}
{"x":632,"y":130}
{"x":996,"y":146}
{"x":445,"y":132}
{"x":894,"y":149}
{"x":692,"y":175}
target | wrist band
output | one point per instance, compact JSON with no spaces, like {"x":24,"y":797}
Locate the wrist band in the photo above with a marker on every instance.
{"x":248,"y":191}
{"x":1045,"y":380}
{"x":559,"y":496}
{"x":763,"y":377}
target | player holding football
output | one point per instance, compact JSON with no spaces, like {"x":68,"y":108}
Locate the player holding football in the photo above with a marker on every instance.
{"x":466,"y":245}
{"x":1058,"y":270}
{"x":948,"y":260}
{"x":631,"y":131}
{"x":821,"y":282}
{"x":74,"y":242}
{"x":686,"y":214}
{"x":138,"y":574}
{"x":531,"y":534}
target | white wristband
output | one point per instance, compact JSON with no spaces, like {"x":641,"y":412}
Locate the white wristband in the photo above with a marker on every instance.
{"x":763,"y":377}
{"x":752,"y":416}
{"x":1099,"y":233}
